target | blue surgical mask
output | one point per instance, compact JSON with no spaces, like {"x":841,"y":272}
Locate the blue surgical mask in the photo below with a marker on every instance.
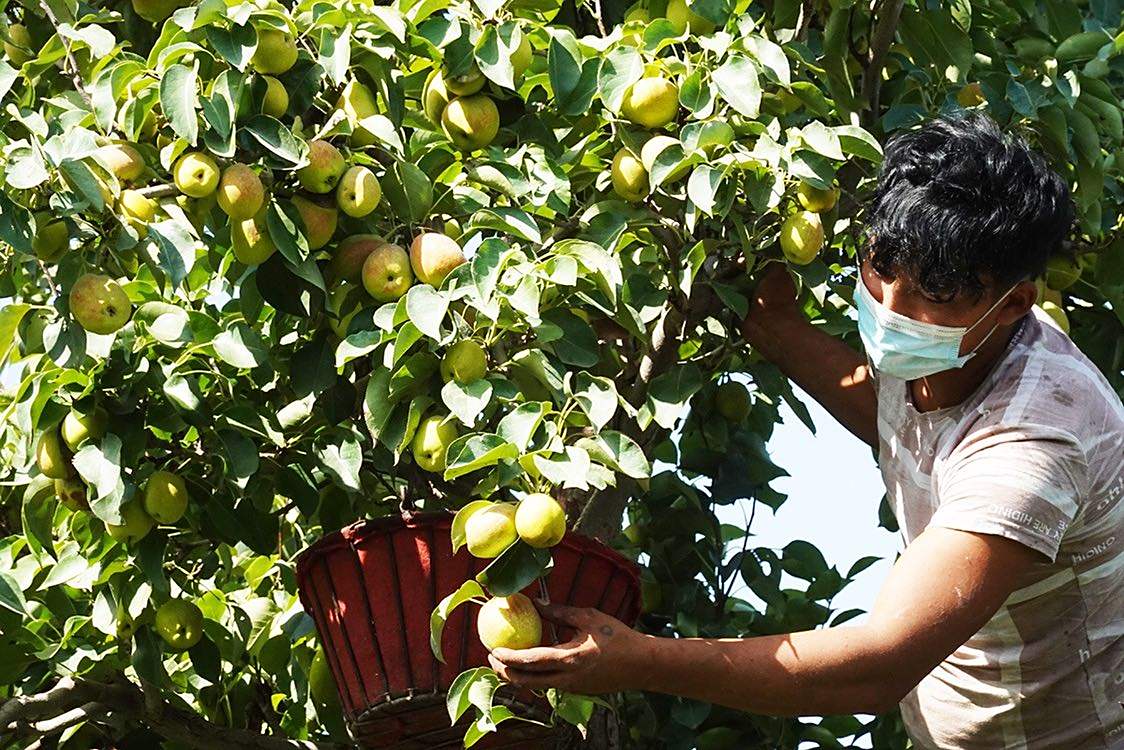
{"x":904,"y":348}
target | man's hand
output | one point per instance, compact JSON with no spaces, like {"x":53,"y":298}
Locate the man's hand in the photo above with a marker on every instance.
{"x":772,"y":303}
{"x":605,"y":655}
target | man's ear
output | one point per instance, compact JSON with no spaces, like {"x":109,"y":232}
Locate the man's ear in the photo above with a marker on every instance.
{"x":1018,"y":302}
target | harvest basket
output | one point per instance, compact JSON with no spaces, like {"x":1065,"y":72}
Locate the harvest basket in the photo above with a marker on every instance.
{"x":370,"y":588}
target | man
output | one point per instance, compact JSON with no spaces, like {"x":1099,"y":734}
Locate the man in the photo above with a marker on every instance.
{"x":1002,"y":450}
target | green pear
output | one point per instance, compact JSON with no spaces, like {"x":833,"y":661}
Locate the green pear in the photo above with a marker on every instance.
{"x":276,"y":51}
{"x":433,"y":256}
{"x":20,"y":48}
{"x":319,"y":221}
{"x":99,"y":304}
{"x":196,"y":174}
{"x":509,"y":622}
{"x":251,"y":241}
{"x":358,"y":103}
{"x":52,"y":237}
{"x":433,"y":437}
{"x":522,"y":56}
{"x":276,"y":100}
{"x":137,"y":210}
{"x":136,"y":524}
{"x":347,"y":262}
{"x":50,"y":457}
{"x":732,"y":400}
{"x":165,"y":497}
{"x":81,"y":425}
{"x":465,"y":362}
{"x":651,"y":102}
{"x":343,"y":306}
{"x":386,"y":272}
{"x":240,"y":193}
{"x":358,"y":191}
{"x":155,"y":11}
{"x":325,"y":167}
{"x":179,"y":623}
{"x":435,"y":97}
{"x":628,"y":176}
{"x":471,"y":122}
{"x":71,"y":492}
{"x":467,"y":84}
{"x":540,"y":520}
{"x":490,"y":530}
{"x":681,"y":17}
{"x":124,"y":161}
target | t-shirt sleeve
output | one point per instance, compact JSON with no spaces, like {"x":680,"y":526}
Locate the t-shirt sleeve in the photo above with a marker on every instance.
{"x":1023,"y":483}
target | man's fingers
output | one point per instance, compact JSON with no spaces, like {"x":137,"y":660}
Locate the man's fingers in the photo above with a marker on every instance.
{"x":562,"y":614}
{"x":529,"y":679}
{"x":538,"y":659}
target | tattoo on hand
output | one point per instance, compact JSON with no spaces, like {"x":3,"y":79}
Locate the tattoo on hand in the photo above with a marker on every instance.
{"x":607,"y":629}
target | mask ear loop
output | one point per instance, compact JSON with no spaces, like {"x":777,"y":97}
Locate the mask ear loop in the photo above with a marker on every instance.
{"x":990,"y":310}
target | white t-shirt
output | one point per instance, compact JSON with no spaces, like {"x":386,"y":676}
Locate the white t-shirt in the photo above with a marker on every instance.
{"x":1036,"y":454}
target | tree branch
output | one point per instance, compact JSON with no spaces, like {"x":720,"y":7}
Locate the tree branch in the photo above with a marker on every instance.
{"x":889,"y":12}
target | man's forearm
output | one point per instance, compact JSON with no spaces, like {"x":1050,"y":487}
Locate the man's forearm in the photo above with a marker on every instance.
{"x":831,"y":372}
{"x":816,"y":672}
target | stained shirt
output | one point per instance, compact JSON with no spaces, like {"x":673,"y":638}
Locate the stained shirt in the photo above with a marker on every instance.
{"x":1035,"y":454}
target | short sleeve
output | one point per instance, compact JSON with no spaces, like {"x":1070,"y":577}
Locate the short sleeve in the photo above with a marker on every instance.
{"x":1024,"y":483}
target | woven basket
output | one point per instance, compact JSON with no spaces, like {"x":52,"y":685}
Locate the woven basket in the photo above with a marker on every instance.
{"x":370,"y":588}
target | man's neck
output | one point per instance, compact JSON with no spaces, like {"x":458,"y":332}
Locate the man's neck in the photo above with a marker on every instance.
{"x":951,"y":387}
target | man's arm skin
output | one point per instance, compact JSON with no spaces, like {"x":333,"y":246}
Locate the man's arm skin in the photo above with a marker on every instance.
{"x":831,"y":372}
{"x":943,"y":589}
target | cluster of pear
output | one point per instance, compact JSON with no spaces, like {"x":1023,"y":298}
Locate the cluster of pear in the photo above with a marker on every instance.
{"x":802,"y":233}
{"x":458,"y":105}
{"x":652,"y":103}
{"x":538,"y":520}
{"x":164,"y":498}
{"x":1062,"y":272}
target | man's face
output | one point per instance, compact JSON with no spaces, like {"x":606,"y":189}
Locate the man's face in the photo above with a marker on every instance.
{"x":903,"y":297}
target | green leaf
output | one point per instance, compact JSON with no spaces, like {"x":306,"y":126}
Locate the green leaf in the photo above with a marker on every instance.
{"x":178,"y":97}
{"x":471,"y":452}
{"x":409,"y":191}
{"x":335,"y":53}
{"x":11,"y":596}
{"x":738,"y":84}
{"x":597,"y":396}
{"x":518,"y":426}
{"x":342,"y":461}
{"x":619,"y":452}
{"x":241,"y":454}
{"x":572,"y":78}
{"x":377,"y":403}
{"x":460,"y":695}
{"x":456,"y":531}
{"x":99,"y":465}
{"x":619,"y":69}
{"x":290,"y":152}
{"x":516,"y":568}
{"x":175,"y":249}
{"x":426,"y":308}
{"x":444,"y":608}
{"x":236,"y":45}
{"x":858,"y":142}
{"x":466,"y":401}
{"x":240,"y":347}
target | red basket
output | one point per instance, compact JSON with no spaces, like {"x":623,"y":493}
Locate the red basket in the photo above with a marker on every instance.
{"x":370,"y":588}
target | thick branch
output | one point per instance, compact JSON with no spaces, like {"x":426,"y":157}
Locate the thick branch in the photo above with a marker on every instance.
{"x":889,"y":11}
{"x":73,"y":700}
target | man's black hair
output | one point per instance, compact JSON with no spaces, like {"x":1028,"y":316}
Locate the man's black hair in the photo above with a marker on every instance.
{"x":960,"y":205}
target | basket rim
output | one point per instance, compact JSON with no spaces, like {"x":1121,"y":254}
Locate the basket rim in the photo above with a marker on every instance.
{"x":363,"y":528}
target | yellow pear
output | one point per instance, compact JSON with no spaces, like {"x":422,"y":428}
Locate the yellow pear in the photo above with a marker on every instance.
{"x":319,"y":221}
{"x":99,"y":304}
{"x":816,"y":199}
{"x":471,"y":122}
{"x":137,"y":210}
{"x":522,"y":56}
{"x":241,"y":193}
{"x":52,"y":237}
{"x":467,"y":84}
{"x":509,"y":622}
{"x":20,"y":49}
{"x":540,"y":520}
{"x":681,"y":17}
{"x":179,"y":623}
{"x":276,"y":51}
{"x":196,"y":174}
{"x":490,"y":530}
{"x":433,"y":255}
{"x":651,"y":102}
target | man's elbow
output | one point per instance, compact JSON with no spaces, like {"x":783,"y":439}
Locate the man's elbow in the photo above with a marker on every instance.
{"x":888,"y":695}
